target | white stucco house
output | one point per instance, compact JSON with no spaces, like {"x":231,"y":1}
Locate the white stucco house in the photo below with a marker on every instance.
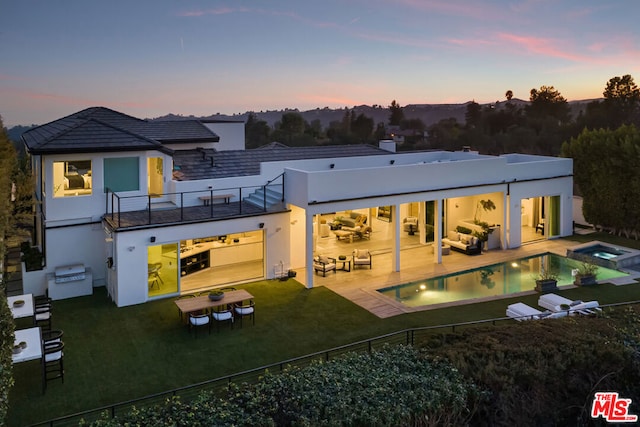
{"x":148,"y":207}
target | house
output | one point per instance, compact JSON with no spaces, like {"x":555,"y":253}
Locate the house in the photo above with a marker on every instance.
{"x":150,"y":208}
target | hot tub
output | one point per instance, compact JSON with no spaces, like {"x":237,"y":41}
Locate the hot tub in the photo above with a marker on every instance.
{"x":605,"y":255}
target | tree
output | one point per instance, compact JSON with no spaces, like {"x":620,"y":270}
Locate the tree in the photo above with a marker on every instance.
{"x":473,"y":115}
{"x":508,"y":94}
{"x":256,"y":132}
{"x":291,"y":126}
{"x":606,"y":175}
{"x":548,"y":103}
{"x":396,"y":114}
{"x":621,"y":100}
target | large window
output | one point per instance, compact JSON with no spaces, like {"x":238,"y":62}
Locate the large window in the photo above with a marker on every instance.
{"x":122,"y":174}
{"x":72,"y":178}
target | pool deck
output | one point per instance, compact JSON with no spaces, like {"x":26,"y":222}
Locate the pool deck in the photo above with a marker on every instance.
{"x":360,"y":286}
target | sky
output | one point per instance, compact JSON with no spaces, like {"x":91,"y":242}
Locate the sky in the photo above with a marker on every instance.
{"x":148,"y":58}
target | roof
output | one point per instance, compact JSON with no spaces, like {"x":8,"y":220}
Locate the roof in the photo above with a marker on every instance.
{"x":197,"y":164}
{"x":99,"y":129}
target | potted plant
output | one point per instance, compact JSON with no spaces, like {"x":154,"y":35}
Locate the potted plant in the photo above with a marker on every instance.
{"x":586,"y":274}
{"x":216,"y":295}
{"x":547,"y":281}
{"x":486,"y":206}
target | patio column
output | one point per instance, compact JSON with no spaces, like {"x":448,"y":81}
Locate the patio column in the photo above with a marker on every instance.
{"x":437,"y":231}
{"x":308,"y":227}
{"x":506,"y":220}
{"x":395,"y":247}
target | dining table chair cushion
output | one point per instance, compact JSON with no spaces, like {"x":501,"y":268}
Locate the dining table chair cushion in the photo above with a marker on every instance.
{"x":198,"y":320}
{"x":222,"y":315}
{"x":53,"y":351}
{"x":244,"y":310}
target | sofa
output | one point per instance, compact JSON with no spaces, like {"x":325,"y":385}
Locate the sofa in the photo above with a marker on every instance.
{"x":465,"y":243}
{"x":352,"y":219}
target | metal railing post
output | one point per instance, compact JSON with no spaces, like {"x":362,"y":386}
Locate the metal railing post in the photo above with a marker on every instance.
{"x":211,"y":203}
{"x":181,"y":206}
{"x":149,"y":207}
{"x":240,"y":200}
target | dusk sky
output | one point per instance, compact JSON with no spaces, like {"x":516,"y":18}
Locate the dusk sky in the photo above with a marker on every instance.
{"x":151,"y":58}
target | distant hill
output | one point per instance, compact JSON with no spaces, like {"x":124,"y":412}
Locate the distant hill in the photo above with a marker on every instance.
{"x":428,"y":113}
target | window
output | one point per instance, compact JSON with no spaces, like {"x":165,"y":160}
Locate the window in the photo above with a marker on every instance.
{"x":122,"y":174}
{"x":72,"y":178}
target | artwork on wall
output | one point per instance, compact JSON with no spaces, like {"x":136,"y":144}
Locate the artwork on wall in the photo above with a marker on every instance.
{"x":384,"y":213}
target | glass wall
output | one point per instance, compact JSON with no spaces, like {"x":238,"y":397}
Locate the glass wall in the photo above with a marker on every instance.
{"x":211,"y":261}
{"x":162,"y":269}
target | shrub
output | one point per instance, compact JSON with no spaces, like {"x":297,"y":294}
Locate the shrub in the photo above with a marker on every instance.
{"x":7,"y":328}
{"x":546,"y":372}
{"x":395,"y":386}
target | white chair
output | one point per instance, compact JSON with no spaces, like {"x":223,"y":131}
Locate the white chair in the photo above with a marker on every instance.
{"x":557,"y":303}
{"x":196,"y":320}
{"x":248,"y":310}
{"x":325,"y":230}
{"x":52,"y":362}
{"x":324,"y":264}
{"x":410,"y":224}
{"x":361,"y":257}
{"x":521,"y":311}
{"x":222,"y":315}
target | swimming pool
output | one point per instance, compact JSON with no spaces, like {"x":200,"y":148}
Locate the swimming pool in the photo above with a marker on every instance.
{"x":491,"y":281}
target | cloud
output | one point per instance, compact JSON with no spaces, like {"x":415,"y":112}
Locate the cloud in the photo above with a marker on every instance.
{"x":226,"y":10}
{"x":539,"y":46}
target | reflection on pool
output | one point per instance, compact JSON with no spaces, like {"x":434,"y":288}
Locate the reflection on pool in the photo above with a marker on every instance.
{"x":490,"y":281}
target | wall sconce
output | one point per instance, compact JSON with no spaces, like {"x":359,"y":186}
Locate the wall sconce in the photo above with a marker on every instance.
{"x":294,"y":222}
{"x":152,"y":239}
{"x":278,"y":229}
{"x":261,"y":225}
{"x":131,"y":248}
{"x":392,"y":162}
{"x":331,"y":166}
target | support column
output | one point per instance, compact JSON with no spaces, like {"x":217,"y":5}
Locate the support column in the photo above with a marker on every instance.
{"x":506,"y":220}
{"x":308,"y":245}
{"x":395,"y":239}
{"x":437,"y":231}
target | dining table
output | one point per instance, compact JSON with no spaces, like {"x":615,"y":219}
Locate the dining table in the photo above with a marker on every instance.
{"x":202,"y":302}
{"x":21,"y":305}
{"x":32,"y":349}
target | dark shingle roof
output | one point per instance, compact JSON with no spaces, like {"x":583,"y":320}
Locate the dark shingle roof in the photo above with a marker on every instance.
{"x":100,"y":129}
{"x":196,"y":164}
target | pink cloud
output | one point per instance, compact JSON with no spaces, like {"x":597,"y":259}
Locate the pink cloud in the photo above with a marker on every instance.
{"x":540,"y":46}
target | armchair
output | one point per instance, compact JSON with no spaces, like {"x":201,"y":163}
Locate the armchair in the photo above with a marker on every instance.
{"x":410,"y":224}
{"x":324,"y":264}
{"x":361,"y":257}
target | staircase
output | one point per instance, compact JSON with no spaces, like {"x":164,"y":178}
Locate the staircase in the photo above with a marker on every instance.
{"x":273,"y":197}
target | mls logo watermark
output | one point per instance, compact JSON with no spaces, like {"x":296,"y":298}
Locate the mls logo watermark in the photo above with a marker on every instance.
{"x":610,"y":406}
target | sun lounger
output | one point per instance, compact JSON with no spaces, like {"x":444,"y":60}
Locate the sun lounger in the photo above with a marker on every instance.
{"x":555,"y":303}
{"x":521,"y":311}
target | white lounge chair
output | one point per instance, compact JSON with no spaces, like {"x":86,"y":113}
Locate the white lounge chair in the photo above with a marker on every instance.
{"x":521,"y":311}
{"x":556,"y":302}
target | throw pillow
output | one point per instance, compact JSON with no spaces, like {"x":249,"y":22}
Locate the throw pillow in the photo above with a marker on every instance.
{"x":356,"y":253}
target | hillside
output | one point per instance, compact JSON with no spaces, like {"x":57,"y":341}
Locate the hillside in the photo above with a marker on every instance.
{"x":428,"y":113}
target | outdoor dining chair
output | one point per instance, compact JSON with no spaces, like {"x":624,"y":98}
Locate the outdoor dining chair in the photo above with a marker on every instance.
{"x":220,"y":315}
{"x":196,"y":320}
{"x":52,"y":363}
{"x":248,"y":310}
{"x":42,"y":316}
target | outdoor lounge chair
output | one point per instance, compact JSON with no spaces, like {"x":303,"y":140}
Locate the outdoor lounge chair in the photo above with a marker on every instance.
{"x":324,"y":264}
{"x":521,"y":311}
{"x":556,"y":302}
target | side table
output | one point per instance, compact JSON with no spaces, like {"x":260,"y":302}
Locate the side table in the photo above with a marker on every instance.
{"x":346,"y":263}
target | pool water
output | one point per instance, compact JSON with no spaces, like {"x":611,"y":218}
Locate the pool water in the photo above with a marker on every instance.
{"x":494,"y":280}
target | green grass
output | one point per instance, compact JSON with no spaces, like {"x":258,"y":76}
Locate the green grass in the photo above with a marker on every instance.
{"x":116,"y":354}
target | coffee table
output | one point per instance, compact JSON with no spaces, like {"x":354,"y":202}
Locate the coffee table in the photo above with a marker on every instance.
{"x":346,"y":263}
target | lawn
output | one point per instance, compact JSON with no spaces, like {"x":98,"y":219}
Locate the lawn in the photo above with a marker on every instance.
{"x":116,"y":354}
